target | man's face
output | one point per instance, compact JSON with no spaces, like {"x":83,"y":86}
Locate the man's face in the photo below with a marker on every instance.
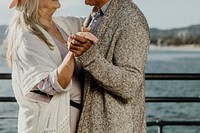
{"x":97,"y":3}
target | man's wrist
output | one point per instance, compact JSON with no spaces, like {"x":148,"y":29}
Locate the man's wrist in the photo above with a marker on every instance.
{"x":88,"y":57}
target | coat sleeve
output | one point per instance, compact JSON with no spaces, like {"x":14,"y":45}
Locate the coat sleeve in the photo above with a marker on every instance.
{"x":125,"y":75}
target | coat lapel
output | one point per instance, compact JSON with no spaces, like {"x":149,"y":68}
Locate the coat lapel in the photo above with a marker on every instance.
{"x":108,"y":17}
{"x":104,"y":28}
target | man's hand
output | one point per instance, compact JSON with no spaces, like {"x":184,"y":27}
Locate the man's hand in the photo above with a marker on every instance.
{"x":78,"y":45}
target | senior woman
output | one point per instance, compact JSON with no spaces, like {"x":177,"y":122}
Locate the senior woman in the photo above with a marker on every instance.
{"x":45,"y":75}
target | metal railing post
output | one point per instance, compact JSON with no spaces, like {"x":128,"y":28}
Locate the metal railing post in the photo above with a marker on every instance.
{"x":160,"y":129}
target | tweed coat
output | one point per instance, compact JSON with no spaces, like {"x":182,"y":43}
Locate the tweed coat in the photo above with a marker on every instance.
{"x":114,"y":95}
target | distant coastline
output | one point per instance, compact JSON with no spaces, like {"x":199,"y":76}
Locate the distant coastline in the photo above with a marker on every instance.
{"x":189,"y":47}
{"x":178,"y":39}
{"x":168,"y":48}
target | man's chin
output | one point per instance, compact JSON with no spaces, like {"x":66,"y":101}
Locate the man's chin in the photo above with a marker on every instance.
{"x":88,"y":3}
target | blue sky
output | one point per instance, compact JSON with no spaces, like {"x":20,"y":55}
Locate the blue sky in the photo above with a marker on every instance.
{"x":162,"y":14}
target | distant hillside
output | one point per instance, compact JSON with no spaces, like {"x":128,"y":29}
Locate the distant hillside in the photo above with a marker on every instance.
{"x":179,"y":36}
{"x":186,"y":35}
{"x":190,"y":31}
{"x":2,"y":33}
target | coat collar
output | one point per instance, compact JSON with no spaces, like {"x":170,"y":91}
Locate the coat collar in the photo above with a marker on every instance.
{"x":114,"y":8}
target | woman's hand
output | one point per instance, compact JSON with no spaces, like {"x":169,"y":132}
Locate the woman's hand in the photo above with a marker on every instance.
{"x":85,"y":29}
{"x":88,"y":36}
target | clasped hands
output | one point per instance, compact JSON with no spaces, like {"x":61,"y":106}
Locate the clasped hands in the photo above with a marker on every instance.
{"x":80,"y":42}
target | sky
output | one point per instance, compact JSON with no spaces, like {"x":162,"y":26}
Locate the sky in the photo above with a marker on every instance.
{"x":161,"y":14}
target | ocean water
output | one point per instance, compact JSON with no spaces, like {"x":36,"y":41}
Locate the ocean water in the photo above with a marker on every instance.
{"x":159,"y":61}
{"x":163,"y":61}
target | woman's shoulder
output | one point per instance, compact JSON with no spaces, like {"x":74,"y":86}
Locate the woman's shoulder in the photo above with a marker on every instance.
{"x":70,"y":19}
{"x":70,"y":24}
{"x":28,"y":39}
{"x":27,"y":36}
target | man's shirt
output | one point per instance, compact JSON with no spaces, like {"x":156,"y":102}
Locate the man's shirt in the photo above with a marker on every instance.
{"x":97,"y":16}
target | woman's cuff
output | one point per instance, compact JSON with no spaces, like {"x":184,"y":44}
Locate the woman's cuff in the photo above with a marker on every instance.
{"x":55,"y":84}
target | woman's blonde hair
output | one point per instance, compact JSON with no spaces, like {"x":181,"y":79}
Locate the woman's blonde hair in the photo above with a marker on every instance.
{"x":26,"y":17}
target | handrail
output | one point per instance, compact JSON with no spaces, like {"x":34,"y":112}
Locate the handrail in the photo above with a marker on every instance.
{"x":148,"y":99}
{"x":172,"y":76}
{"x":173,"y":123}
{"x":148,"y":76}
{"x":5,"y":76}
{"x":8,"y":99}
{"x":172,"y":99}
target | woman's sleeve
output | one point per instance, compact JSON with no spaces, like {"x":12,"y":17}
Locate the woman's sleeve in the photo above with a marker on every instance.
{"x":37,"y":68}
{"x":50,"y":85}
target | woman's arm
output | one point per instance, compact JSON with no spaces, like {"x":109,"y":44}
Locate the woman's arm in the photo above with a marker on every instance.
{"x":43,"y":69}
{"x":65,"y":70}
